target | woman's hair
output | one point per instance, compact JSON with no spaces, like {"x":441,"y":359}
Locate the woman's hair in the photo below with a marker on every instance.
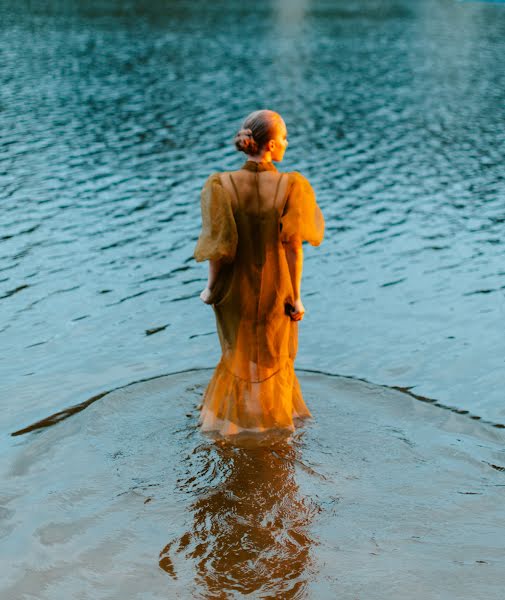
{"x":257,"y":130}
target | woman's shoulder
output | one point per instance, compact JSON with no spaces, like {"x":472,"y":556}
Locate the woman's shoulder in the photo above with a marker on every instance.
{"x":295,"y":178}
{"x":298,"y":181}
{"x":214,"y":176}
{"x":213,"y":181}
{"x":220,"y":176}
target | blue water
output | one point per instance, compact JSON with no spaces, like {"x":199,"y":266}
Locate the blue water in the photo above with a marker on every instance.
{"x":113,"y":114}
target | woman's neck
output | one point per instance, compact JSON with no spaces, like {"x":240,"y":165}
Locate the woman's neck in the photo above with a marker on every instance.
{"x":265,"y":158}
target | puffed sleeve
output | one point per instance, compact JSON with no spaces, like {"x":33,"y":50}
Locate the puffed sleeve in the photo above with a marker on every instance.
{"x":218,"y":238}
{"x":302,"y":214}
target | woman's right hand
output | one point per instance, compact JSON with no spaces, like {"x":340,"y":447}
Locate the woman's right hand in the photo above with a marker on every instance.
{"x":205,"y":295}
{"x":298,"y":310}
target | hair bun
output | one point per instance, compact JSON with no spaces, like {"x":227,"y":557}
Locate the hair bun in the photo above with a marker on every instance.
{"x":245,"y":142}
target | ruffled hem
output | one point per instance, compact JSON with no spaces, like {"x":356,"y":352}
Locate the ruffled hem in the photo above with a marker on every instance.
{"x":239,"y":410}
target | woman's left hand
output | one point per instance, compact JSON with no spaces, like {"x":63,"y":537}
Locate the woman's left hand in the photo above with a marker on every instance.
{"x":205,"y":295}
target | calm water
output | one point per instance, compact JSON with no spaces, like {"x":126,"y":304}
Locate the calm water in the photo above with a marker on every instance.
{"x":114,"y":113}
{"x":381,"y":496}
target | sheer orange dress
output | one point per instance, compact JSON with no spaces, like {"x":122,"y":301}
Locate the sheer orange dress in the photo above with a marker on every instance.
{"x":246,"y":216}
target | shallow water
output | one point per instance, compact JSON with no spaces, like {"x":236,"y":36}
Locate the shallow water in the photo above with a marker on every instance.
{"x":378,"y":496}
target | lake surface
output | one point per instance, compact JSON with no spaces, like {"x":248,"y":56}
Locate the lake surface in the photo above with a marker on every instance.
{"x":112,"y":115}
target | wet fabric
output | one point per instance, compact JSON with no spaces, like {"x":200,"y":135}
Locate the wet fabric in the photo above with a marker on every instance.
{"x":246,"y":217}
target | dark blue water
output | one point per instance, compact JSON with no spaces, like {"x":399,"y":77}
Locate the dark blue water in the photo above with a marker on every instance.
{"x":112,"y":114}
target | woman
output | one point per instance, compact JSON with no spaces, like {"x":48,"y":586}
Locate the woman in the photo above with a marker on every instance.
{"x":254,"y":221}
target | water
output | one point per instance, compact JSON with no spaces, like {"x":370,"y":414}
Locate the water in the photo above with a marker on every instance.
{"x":379,"y":496}
{"x":114,"y":113}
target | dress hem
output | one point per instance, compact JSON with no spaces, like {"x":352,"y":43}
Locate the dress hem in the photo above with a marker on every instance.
{"x":234,"y":406}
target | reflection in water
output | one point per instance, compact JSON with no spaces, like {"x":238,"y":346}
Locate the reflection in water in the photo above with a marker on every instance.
{"x":290,"y":59}
{"x":290,"y":16}
{"x":250,"y":526}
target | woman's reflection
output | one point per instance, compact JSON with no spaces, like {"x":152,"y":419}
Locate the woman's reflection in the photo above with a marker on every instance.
{"x":250,"y":523}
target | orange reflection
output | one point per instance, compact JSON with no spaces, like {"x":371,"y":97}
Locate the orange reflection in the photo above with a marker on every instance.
{"x":250,"y":526}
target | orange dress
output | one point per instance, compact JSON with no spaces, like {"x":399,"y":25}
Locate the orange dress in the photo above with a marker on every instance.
{"x":246,"y":215}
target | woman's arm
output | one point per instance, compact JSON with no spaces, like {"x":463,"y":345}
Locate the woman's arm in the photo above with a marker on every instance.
{"x":214,"y":268}
{"x":294,"y":256}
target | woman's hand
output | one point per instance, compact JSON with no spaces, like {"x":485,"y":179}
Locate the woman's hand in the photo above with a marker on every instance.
{"x":298,"y":310}
{"x":205,"y":295}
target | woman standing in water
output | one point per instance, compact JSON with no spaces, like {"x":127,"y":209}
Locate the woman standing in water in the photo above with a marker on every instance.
{"x":254,"y":221}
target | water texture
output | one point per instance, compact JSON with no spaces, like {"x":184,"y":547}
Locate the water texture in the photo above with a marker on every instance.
{"x":379,"y":496}
{"x":113,"y":114}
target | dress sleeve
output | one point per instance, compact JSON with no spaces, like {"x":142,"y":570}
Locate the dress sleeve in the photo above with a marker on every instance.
{"x":218,"y":238}
{"x":302,"y":215}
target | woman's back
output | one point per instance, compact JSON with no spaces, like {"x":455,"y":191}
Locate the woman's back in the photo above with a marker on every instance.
{"x":257,"y":197}
{"x":255,"y":209}
{"x":259,"y":275}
